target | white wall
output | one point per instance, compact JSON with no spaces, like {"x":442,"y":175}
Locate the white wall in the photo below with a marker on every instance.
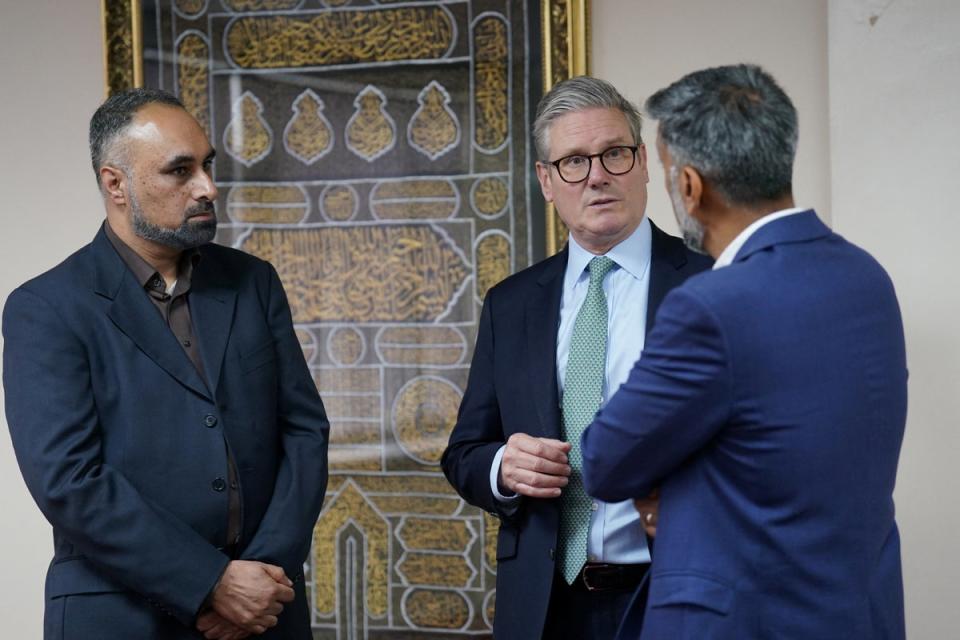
{"x":52,"y":79}
{"x":894,"y":106}
{"x":642,"y":46}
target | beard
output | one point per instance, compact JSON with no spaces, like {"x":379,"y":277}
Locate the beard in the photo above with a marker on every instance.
{"x":187,"y":236}
{"x":690,"y":229}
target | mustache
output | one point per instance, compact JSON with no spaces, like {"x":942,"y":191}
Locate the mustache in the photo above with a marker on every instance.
{"x":204,"y":208}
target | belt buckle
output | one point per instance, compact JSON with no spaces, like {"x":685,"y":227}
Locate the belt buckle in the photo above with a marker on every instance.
{"x":596,"y":572}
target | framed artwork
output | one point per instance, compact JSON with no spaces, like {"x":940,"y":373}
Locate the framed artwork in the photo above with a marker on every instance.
{"x":378,"y":153}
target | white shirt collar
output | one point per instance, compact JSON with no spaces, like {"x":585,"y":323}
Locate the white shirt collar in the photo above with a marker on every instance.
{"x":632,"y":255}
{"x":730,"y":252}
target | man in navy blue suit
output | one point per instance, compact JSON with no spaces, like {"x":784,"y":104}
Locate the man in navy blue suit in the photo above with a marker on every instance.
{"x":554,"y":341}
{"x":160,"y":407}
{"x":770,"y":401}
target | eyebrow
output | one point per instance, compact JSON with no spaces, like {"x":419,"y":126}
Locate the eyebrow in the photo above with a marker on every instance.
{"x":617,"y":141}
{"x":184,"y":158}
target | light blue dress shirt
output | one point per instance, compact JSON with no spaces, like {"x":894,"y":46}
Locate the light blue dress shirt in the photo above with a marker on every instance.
{"x":616,"y":535}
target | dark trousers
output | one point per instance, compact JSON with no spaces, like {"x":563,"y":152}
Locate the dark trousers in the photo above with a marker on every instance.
{"x":578,"y":614}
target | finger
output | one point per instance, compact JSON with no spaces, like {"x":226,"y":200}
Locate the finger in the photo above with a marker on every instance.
{"x":549,"y":448}
{"x":562,"y":445}
{"x":534,"y":480}
{"x":282,"y":593}
{"x":206,"y":621}
{"x":536,"y":492}
{"x":218,"y":630}
{"x":274,"y":609}
{"x":277,"y":574}
{"x":529,"y":462}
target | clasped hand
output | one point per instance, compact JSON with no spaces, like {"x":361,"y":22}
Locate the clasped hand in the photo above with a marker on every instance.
{"x":247,"y":600}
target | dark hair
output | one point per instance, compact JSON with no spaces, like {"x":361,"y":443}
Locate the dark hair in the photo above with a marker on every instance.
{"x":115,"y":115}
{"x":576,"y":94}
{"x":735,"y":126}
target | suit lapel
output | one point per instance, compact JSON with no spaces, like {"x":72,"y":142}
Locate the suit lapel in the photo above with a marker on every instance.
{"x":667,"y":258}
{"x":133,"y":314}
{"x":212,"y":303}
{"x":542,"y":324}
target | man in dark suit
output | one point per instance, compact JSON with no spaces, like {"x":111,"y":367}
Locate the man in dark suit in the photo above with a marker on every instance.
{"x":160,"y":407}
{"x":770,"y":401}
{"x":554,"y":341}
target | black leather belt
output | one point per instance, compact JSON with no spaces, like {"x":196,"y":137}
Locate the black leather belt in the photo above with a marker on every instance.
{"x":599,"y":576}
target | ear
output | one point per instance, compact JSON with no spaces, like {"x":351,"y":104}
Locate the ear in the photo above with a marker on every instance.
{"x":642,"y":159}
{"x":543,"y":175}
{"x":691,"y":190}
{"x":114,"y":183}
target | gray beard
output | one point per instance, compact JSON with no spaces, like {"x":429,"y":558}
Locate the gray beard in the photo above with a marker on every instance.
{"x":690,"y":229}
{"x":187,"y":236}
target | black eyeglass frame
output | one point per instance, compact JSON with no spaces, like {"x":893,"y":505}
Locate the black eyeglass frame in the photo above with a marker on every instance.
{"x":633,"y":155}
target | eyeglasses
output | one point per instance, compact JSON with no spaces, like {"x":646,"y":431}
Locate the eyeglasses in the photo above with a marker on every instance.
{"x":615,"y":160}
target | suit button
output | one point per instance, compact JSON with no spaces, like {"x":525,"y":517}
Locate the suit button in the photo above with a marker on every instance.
{"x":551,"y":554}
{"x":210,"y":420}
{"x":218,"y":484}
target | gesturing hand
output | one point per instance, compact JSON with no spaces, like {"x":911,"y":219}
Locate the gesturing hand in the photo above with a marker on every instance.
{"x":534,"y":467}
{"x":251,"y":595}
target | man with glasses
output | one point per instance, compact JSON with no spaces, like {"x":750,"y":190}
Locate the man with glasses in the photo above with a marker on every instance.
{"x":555,"y":341}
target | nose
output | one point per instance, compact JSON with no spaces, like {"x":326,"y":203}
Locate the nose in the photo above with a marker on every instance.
{"x":206,"y":189}
{"x":598,"y":176}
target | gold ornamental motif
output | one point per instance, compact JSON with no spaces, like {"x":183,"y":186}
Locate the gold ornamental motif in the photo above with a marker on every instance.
{"x":414,"y":199}
{"x":436,"y":570}
{"x":351,"y":505}
{"x":248,"y":137}
{"x":190,"y":8}
{"x":492,"y":257}
{"x":339,"y":203}
{"x":491,"y":68}
{"x":432,"y":534}
{"x":421,"y":346}
{"x":336,"y":3}
{"x":489,"y":197}
{"x":491,"y":527}
{"x":371,"y":131}
{"x":346,"y":346}
{"x":261,"y":5}
{"x":388,"y":273}
{"x":434,"y":130}
{"x":381,"y":35}
{"x":308,"y":136}
{"x":285,"y":204}
{"x":401,"y":505}
{"x":434,"y":609}
{"x":193,"y":77}
{"x":423,"y":417}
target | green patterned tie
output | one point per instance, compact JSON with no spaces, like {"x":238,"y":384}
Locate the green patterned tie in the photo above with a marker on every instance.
{"x":582,"y":392}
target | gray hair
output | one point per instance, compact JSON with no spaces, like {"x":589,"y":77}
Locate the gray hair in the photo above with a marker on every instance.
{"x":577,"y":94}
{"x":735,"y":126}
{"x":114,"y":116}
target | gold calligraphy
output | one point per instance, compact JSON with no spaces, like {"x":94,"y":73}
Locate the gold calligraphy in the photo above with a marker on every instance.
{"x":490,"y":81}
{"x":340,"y":37}
{"x":389,"y":273}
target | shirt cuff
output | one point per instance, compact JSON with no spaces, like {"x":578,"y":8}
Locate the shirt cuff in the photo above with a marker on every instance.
{"x":507,"y":501}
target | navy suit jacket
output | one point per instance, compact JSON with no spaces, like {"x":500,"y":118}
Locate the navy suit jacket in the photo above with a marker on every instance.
{"x":121,"y":442}
{"x":769,"y":406}
{"x":513,"y":388}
